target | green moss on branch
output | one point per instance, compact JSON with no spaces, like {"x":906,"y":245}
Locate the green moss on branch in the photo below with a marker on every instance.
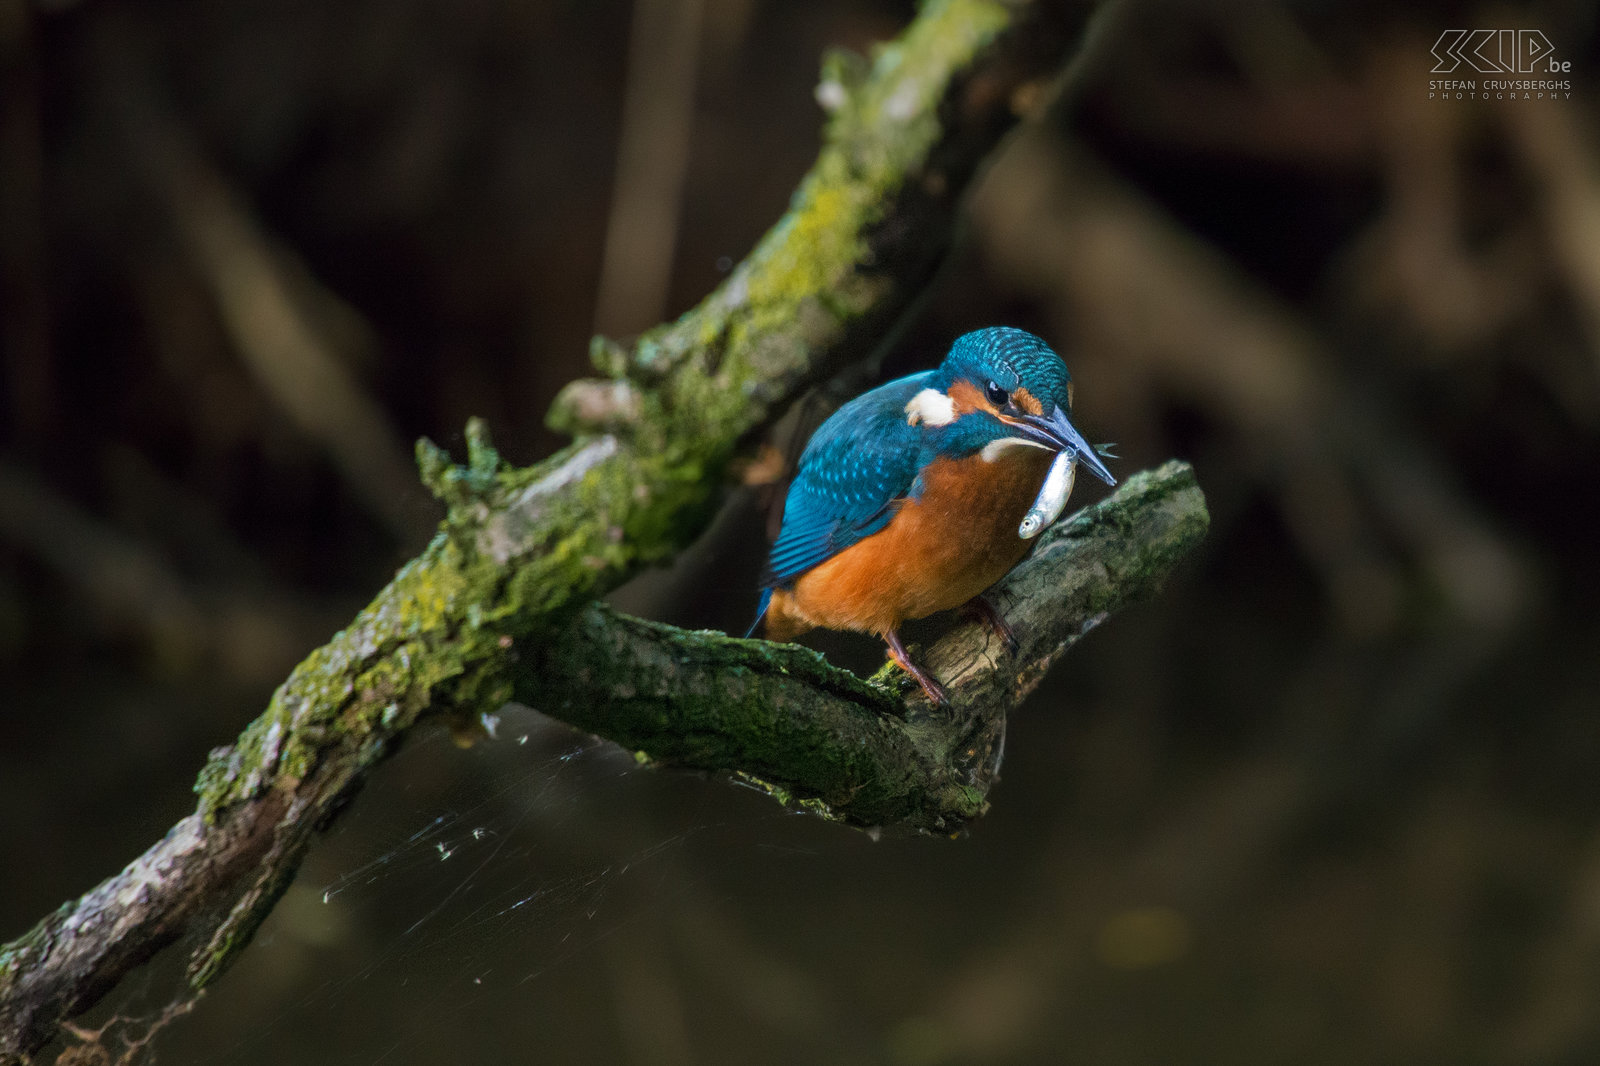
{"x":864,"y":752}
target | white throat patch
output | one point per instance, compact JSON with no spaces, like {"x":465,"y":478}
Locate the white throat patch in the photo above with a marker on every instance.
{"x":930,"y":407}
{"x":995,"y":448}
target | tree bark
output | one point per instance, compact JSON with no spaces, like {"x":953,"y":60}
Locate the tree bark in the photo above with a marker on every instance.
{"x":867,"y":753}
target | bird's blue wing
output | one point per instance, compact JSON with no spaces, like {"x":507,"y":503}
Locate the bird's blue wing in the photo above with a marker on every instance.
{"x":859,"y":462}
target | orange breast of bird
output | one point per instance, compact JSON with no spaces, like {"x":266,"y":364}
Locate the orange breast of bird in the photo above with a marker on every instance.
{"x":939,"y":551}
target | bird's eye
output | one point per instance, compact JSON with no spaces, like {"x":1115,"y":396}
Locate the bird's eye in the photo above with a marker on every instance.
{"x":996,"y":394}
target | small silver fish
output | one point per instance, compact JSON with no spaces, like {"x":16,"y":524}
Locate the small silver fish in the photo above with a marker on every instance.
{"x":1052,"y":498}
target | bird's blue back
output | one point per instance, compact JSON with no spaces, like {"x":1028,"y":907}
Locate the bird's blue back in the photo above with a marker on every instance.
{"x":857,"y":464}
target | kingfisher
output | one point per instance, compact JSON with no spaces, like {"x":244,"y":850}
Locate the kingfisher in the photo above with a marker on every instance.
{"x":915,"y":497}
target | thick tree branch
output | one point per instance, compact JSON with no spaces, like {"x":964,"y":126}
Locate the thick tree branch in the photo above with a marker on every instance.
{"x":868,"y":753}
{"x":523,"y":550}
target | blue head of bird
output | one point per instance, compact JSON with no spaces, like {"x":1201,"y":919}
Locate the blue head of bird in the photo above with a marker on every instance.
{"x":1003,"y":385}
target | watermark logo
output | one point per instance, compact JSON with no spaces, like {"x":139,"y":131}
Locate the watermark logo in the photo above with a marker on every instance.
{"x":1463,"y":55}
{"x":1497,"y":52}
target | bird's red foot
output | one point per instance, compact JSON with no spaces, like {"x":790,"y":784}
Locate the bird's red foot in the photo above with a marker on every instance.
{"x":982,"y":610}
{"x":902,"y":658}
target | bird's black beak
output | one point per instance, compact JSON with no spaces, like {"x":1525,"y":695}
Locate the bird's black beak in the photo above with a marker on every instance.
{"x":1056,"y":432}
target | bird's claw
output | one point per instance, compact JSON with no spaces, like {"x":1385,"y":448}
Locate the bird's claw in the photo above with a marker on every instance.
{"x":902,"y":658}
{"x":980,"y":609}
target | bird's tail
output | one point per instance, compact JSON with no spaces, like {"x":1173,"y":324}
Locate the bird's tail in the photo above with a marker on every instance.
{"x":761,"y":612}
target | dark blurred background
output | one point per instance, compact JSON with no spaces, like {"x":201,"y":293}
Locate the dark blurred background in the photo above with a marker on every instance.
{"x":1331,"y":799}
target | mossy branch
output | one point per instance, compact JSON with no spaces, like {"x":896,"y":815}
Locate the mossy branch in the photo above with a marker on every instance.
{"x":524,"y":550}
{"x":869,"y":753}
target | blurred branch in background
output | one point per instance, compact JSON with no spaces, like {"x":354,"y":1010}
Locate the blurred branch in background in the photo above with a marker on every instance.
{"x":652,"y":158}
{"x":1419,"y":262}
{"x":24,"y":303}
{"x":1557,"y":145}
{"x":1151,"y":300}
{"x":284,"y":326}
{"x":130,"y":587}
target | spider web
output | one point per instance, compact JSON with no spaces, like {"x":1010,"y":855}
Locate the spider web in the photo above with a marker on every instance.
{"x":464,"y":880}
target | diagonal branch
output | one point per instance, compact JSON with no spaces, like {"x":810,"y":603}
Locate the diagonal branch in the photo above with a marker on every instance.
{"x":522,"y":551}
{"x":864,"y":752}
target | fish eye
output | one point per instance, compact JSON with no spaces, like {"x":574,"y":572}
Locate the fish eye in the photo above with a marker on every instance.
{"x":996,"y":394}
